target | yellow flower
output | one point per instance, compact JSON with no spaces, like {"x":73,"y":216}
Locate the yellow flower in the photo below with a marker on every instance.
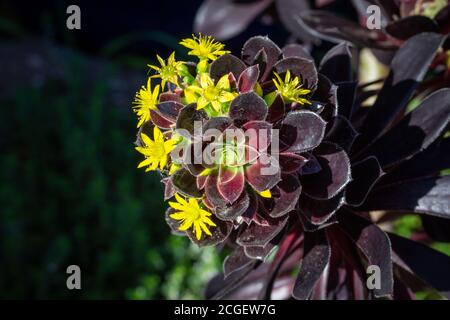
{"x":266,"y":194}
{"x":191,"y":215}
{"x":168,"y":72}
{"x":155,"y":151}
{"x":145,"y":101}
{"x":206,"y":93}
{"x":204,"y":47}
{"x":291,"y":89}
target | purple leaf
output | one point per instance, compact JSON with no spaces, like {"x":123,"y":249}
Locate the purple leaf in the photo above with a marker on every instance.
{"x":316,"y":256}
{"x":287,"y":192}
{"x":257,"y":235}
{"x":408,"y":27}
{"x":248,"y":79}
{"x":226,"y":64}
{"x":325,"y":25}
{"x":436,"y":157}
{"x":301,"y":131}
{"x":300,"y":67}
{"x":169,"y":110}
{"x":170,"y":96}
{"x":263,"y":174}
{"x":169,"y":190}
{"x":341,"y":132}
{"x":333,"y":177}
{"x":320,"y":211}
{"x":422,"y":126}
{"x":212,"y":193}
{"x":237,"y":209}
{"x":427,"y":263}
{"x":346,"y":94}
{"x":235,"y":261}
{"x":259,"y":134}
{"x":374,"y":244}
{"x":336,"y":65}
{"x":230,"y":183}
{"x":288,"y":11}
{"x":172,"y":223}
{"x":276,"y":110}
{"x":188,"y":115}
{"x":246,"y":107}
{"x":185,"y":183}
{"x":291,"y":162}
{"x":219,"y":233}
{"x":296,"y":50}
{"x":259,"y":252}
{"x":252,"y":48}
{"x":159,"y":120}
{"x":427,"y":195}
{"x":365,"y":174}
{"x":407,"y":70}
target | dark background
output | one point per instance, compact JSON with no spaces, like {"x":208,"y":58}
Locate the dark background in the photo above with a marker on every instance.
{"x":70,"y":192}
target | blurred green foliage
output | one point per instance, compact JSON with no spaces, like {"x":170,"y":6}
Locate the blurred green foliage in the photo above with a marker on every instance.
{"x":70,"y":193}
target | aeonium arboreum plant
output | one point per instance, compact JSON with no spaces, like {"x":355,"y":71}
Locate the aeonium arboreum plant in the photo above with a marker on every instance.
{"x":294,"y":200}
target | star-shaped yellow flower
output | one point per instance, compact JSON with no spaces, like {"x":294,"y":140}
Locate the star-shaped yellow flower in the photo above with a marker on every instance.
{"x":291,"y":89}
{"x":145,"y":101}
{"x":155,"y":151}
{"x":168,"y":71}
{"x":190,"y":215}
{"x":206,"y":92}
{"x":204,"y":47}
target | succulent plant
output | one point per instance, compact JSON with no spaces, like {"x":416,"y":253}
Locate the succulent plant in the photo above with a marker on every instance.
{"x":294,"y":202}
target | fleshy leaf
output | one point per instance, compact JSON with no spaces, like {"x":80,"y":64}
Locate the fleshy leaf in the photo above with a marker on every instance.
{"x":159,"y":120}
{"x":300,"y":67}
{"x":288,"y":11}
{"x":341,"y":132}
{"x":226,"y":64}
{"x":246,"y":107}
{"x":185,"y":183}
{"x":336,"y":65}
{"x":407,"y":70}
{"x":320,"y":211}
{"x":248,"y":79}
{"x":365,"y":174}
{"x":169,"y":110}
{"x":421,"y":127}
{"x":173,"y":224}
{"x":296,"y":50}
{"x":219,"y":233}
{"x":427,"y":263}
{"x":263,"y":174}
{"x":188,"y":115}
{"x":410,"y":26}
{"x":276,"y":110}
{"x":316,"y":256}
{"x":257,"y":235}
{"x":374,"y":244}
{"x":301,"y":131}
{"x":287,"y":192}
{"x":252,"y":48}
{"x":291,"y":162}
{"x":237,"y":209}
{"x":231,"y":183}
{"x":427,"y":195}
{"x":235,"y":261}
{"x":259,"y":134}
{"x":333,"y":177}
